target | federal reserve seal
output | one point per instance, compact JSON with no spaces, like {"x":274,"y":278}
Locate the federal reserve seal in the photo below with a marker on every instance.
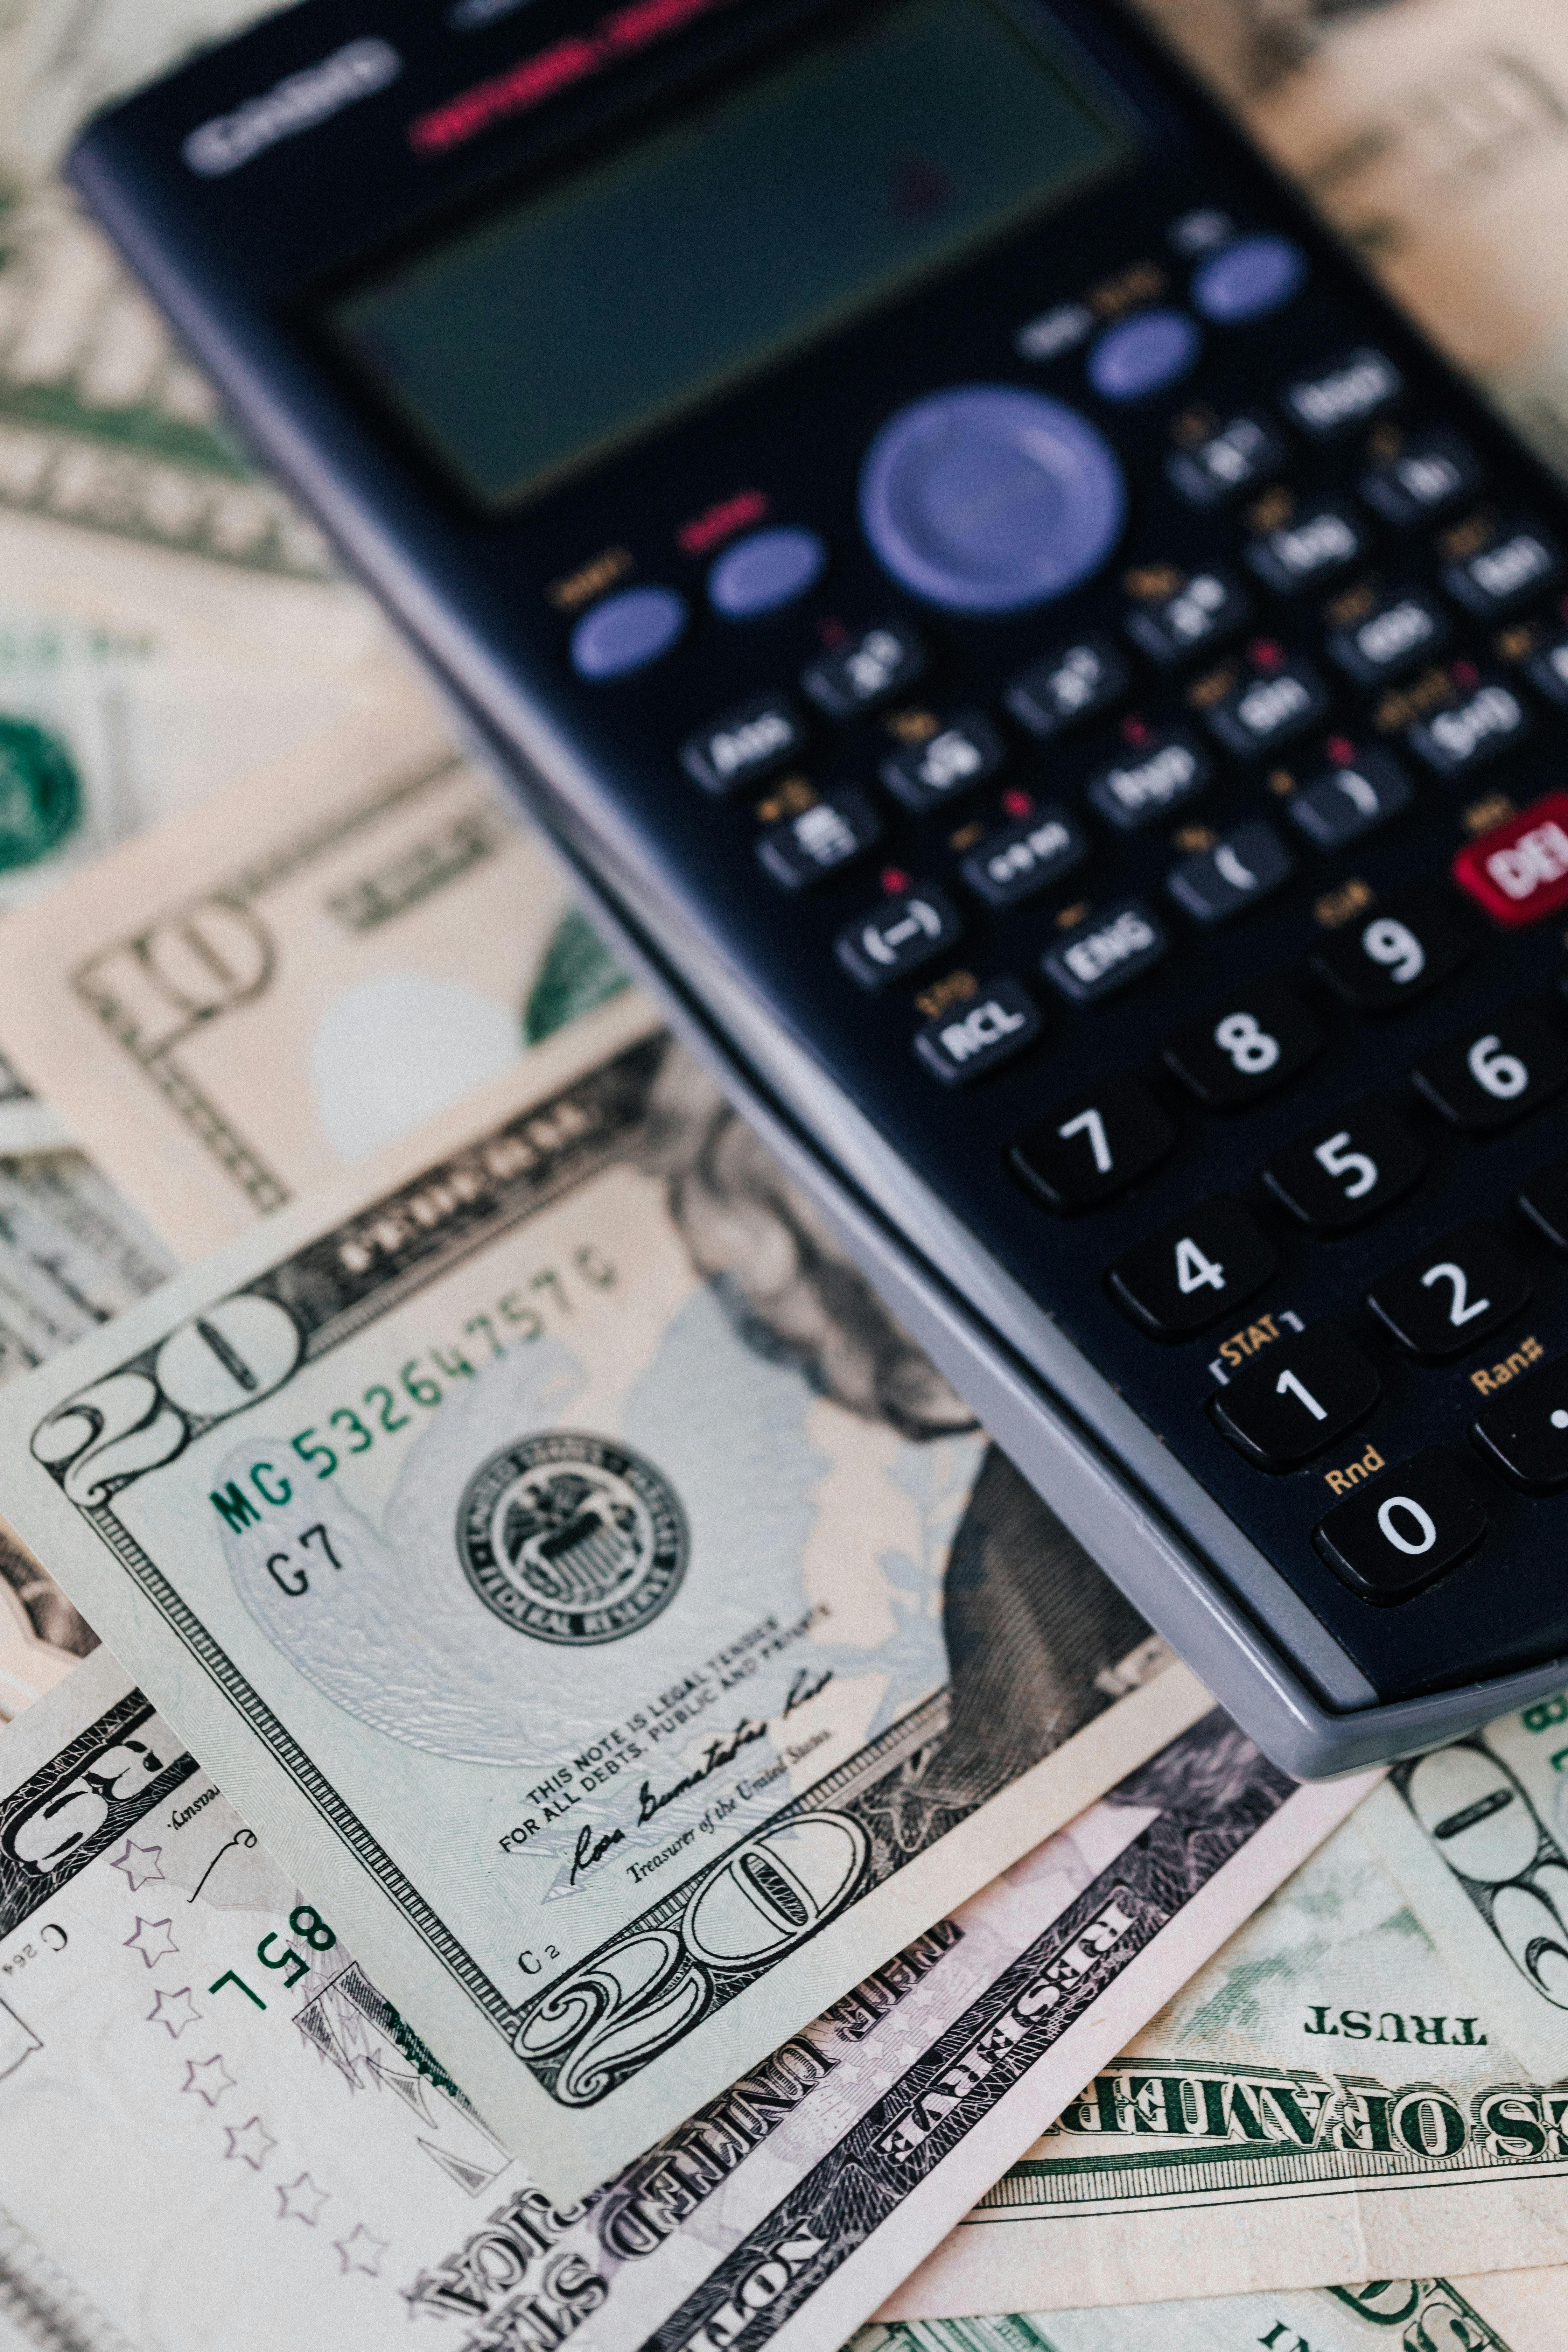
{"x":571,"y":1538}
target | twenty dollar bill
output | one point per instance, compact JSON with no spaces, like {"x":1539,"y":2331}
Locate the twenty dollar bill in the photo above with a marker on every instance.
{"x":634,"y":1696}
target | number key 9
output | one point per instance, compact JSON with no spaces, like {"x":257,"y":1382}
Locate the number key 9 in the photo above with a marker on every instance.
{"x":1395,"y":954}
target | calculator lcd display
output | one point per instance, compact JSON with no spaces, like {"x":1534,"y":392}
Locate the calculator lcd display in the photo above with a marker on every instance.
{"x":586,"y":315}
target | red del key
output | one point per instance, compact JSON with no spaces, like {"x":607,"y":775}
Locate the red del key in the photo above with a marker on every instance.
{"x":1519,"y":871}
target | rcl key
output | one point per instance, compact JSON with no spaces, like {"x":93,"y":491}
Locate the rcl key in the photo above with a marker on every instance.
{"x":1519,"y":871}
{"x":976,"y":1037}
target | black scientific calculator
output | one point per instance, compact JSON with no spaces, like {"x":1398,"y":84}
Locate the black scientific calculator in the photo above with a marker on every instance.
{"x":1058,"y":687}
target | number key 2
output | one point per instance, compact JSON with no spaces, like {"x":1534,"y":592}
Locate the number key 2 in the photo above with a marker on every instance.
{"x":1197,"y":1268}
{"x":1494,"y":1074}
{"x":1453,"y":1295}
{"x":1241,"y":1051}
{"x":1348,"y":1170}
{"x":1085,"y":1151}
{"x":1297,"y":1397}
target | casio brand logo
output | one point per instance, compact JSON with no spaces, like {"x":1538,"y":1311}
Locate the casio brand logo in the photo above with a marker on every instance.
{"x":297,"y":104}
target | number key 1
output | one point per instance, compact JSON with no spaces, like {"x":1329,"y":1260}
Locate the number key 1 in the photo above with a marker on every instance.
{"x":1242,"y":1049}
{"x":1086,"y":1150}
{"x":1297,"y":1397}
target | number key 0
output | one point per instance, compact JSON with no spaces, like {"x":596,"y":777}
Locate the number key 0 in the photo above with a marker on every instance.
{"x":1086,"y":1150}
{"x":1297,"y":1397}
{"x":1199,"y":1267}
{"x":1241,"y":1050}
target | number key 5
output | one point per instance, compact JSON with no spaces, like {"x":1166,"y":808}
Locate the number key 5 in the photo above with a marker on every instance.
{"x":1349,"y":1170}
{"x":1492,"y":1076}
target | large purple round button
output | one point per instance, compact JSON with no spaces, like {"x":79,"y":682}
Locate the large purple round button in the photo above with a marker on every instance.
{"x":765,"y":569}
{"x":1249,"y":279}
{"x":626,"y":632}
{"x":1143,"y":354}
{"x":987,"y":499}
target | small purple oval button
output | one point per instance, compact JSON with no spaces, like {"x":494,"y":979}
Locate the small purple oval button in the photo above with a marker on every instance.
{"x":626,"y":632}
{"x":1143,"y":354}
{"x":765,"y":569}
{"x":1249,"y":279}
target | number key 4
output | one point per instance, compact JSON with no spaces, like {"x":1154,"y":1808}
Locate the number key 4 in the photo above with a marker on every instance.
{"x":1199,"y":1267}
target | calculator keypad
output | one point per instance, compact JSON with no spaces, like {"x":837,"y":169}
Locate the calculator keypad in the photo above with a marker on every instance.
{"x":1200,"y":890}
